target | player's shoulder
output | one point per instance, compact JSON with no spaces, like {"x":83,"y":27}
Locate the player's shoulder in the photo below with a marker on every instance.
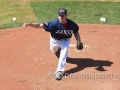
{"x":71,"y":22}
{"x":53,"y":22}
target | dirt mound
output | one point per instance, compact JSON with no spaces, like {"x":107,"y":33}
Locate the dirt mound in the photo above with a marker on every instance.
{"x":27,"y":63}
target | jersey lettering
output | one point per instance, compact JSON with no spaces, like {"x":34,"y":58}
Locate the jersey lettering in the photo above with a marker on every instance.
{"x":61,"y":32}
{"x":58,"y":31}
{"x":65,"y":32}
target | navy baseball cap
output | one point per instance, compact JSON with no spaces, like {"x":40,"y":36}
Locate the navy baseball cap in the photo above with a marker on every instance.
{"x":62,"y":11}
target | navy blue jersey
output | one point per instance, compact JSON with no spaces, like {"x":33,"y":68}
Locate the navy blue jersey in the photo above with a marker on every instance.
{"x":57,"y":30}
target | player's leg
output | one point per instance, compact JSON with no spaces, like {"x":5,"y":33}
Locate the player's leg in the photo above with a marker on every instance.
{"x":62,"y":59}
{"x":63,"y":54}
{"x":54,"y":44}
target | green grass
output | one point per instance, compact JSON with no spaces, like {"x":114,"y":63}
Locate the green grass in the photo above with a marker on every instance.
{"x":15,"y":8}
{"x":79,"y":11}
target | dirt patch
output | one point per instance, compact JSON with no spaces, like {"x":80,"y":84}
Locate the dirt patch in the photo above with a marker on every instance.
{"x":26,"y":61}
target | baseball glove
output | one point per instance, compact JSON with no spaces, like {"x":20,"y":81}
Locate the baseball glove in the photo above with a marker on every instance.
{"x":79,"y":46}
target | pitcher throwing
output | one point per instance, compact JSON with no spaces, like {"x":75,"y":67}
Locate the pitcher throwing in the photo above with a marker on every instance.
{"x":61,"y":30}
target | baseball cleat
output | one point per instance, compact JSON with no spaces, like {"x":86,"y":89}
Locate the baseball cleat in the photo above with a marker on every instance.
{"x":58,"y":75}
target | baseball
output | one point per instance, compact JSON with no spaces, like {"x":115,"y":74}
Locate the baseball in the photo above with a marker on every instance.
{"x":14,"y":19}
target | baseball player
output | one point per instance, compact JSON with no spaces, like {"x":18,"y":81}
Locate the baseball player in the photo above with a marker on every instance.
{"x":61,"y":30}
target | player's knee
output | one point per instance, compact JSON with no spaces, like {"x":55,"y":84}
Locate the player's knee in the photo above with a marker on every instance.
{"x":53,"y":49}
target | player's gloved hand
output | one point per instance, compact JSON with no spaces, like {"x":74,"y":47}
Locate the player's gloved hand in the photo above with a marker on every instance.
{"x":79,"y":45}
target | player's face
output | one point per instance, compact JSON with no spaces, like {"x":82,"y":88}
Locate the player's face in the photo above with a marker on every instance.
{"x":62,"y":18}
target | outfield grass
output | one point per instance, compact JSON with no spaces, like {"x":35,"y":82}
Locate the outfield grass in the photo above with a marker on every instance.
{"x":79,"y":11}
{"x":15,"y":8}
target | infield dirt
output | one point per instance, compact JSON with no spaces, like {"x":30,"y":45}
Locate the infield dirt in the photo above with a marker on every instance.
{"x":26,"y":62}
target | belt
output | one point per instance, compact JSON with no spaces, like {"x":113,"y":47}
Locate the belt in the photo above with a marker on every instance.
{"x":57,"y":38}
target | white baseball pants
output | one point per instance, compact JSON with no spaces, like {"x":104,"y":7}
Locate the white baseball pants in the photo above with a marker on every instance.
{"x":63,"y":44}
